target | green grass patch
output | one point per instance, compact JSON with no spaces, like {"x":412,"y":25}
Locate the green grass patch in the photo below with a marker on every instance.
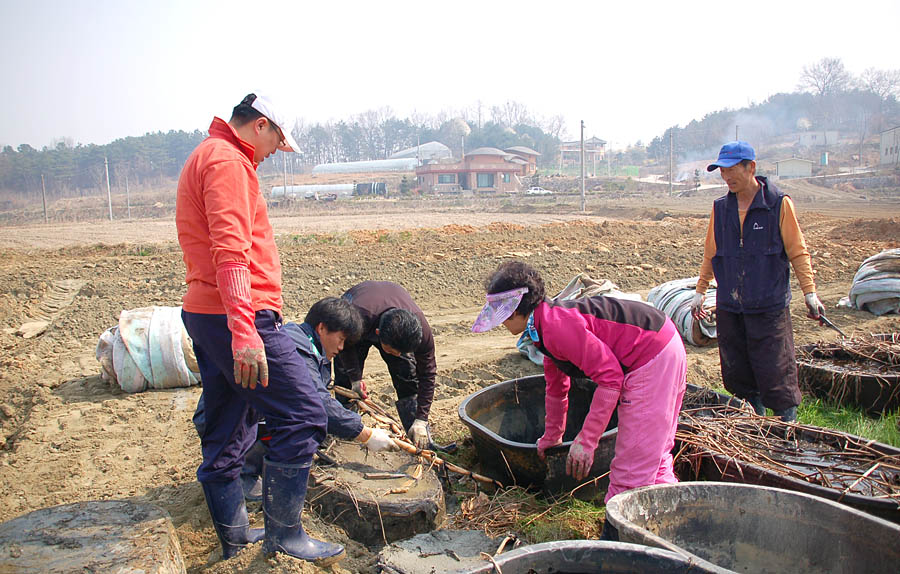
{"x":848,"y":419}
{"x":566,"y":519}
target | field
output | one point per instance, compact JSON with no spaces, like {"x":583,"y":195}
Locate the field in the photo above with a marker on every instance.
{"x":67,"y":436}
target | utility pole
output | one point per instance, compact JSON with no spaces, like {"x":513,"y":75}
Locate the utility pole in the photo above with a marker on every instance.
{"x":671,"y":134}
{"x":127,"y":197}
{"x":284,"y":170}
{"x":44,"y":198}
{"x":736,"y":132}
{"x":582,"y":165}
{"x":608,"y":160}
{"x":108,"y":191}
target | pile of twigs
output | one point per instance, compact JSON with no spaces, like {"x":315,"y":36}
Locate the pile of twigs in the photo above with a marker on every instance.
{"x":402,"y":441}
{"x":818,"y":456}
{"x":878,"y":351}
{"x":862,"y":370}
{"x":499,"y":513}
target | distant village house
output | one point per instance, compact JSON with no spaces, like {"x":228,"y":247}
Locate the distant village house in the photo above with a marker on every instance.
{"x":793,"y":167}
{"x":890,"y":147}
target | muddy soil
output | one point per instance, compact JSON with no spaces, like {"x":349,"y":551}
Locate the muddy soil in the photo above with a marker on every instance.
{"x":66,"y":436}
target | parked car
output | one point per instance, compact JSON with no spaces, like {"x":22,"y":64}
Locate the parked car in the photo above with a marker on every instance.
{"x":535,"y":190}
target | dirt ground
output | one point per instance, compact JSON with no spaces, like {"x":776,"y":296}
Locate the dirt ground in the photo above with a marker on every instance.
{"x":66,"y":436}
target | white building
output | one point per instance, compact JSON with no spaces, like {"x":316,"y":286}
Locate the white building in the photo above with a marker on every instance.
{"x":818,"y":138}
{"x":890,"y":147}
{"x":793,"y":167}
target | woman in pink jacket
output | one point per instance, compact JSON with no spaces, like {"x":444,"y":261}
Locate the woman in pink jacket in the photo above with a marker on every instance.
{"x":630,"y":349}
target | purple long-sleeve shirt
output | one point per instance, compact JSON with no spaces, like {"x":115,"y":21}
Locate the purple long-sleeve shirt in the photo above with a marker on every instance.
{"x":372,"y":299}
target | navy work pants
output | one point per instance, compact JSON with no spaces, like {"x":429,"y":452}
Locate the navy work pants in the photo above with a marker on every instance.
{"x":756,"y":352}
{"x":290,"y":404}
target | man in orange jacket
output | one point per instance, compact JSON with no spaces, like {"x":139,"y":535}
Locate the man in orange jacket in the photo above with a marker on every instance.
{"x":232,"y":311}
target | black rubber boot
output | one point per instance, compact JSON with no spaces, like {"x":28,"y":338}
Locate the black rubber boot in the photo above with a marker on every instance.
{"x":787,"y":415}
{"x":251,"y":473}
{"x":229,"y":515}
{"x":757,"y":404}
{"x":284,"y":491}
{"x":406,"y":408}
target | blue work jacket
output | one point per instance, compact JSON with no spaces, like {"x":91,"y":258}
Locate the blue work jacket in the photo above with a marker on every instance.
{"x":342,"y":423}
{"x":750,"y":264}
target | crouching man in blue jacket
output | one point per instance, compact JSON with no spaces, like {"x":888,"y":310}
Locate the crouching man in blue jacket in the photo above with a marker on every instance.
{"x":329,"y":323}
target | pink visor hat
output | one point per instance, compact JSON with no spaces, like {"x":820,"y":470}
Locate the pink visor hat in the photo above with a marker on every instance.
{"x":499,"y":308}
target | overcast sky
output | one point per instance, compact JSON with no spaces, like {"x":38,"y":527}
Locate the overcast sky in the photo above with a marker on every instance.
{"x":99,"y":70}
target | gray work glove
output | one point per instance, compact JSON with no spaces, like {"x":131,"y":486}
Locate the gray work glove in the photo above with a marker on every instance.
{"x":418,"y":434}
{"x":697,"y":310}
{"x":814,"y":307}
{"x":380,"y":440}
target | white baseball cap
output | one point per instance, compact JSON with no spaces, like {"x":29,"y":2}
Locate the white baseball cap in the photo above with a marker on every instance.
{"x":276,"y":114}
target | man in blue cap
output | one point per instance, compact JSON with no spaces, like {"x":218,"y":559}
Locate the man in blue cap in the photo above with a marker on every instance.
{"x":752,"y":240}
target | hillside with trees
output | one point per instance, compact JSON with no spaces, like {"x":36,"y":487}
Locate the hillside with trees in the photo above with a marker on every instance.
{"x":827,"y":98}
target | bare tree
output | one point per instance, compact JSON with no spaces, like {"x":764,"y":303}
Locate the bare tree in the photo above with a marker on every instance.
{"x":825,"y":77}
{"x":882,"y":83}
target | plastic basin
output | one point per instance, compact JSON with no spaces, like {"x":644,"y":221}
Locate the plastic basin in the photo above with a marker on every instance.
{"x":748,"y":528}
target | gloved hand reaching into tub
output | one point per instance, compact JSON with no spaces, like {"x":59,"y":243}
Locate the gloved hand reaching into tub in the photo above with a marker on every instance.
{"x":581,"y":453}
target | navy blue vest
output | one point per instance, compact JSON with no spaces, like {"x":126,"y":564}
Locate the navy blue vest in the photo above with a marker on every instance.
{"x":751,"y":267}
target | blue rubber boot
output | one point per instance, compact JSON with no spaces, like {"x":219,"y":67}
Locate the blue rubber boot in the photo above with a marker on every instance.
{"x":284,"y":491}
{"x":229,"y":515}
{"x":251,"y":473}
{"x":787,"y":415}
{"x":757,"y":404}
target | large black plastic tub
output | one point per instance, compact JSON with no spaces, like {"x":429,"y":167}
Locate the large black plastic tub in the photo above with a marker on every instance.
{"x":507,"y":419}
{"x":590,"y":557}
{"x":746,"y":528}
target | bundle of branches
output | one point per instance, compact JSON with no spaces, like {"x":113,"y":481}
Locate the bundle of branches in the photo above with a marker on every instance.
{"x":863,"y":370}
{"x":500,"y":513}
{"x":404,"y":443}
{"x":866,"y":351}
{"x":835,"y":460}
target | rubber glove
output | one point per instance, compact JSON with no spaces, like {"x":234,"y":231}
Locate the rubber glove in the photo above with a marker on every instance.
{"x":554,"y":422}
{"x":697,"y":310}
{"x":359,"y":387}
{"x":418,"y":433}
{"x":233,"y":281}
{"x":379,"y":440}
{"x":814,"y":307}
{"x":581,"y":453}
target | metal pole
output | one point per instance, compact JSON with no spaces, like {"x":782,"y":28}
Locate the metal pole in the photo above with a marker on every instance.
{"x":608,"y":160}
{"x":127,"y":197}
{"x":582,"y":165}
{"x":284,"y":170}
{"x":108,"y":192}
{"x":44,"y":198}
{"x":736,"y":132}
{"x":670,"y":161}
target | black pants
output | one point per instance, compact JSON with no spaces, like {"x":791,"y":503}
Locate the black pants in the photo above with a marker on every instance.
{"x":402,"y":369}
{"x":756,"y":352}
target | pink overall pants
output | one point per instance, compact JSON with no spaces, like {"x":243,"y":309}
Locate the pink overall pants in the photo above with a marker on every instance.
{"x":648,"y":416}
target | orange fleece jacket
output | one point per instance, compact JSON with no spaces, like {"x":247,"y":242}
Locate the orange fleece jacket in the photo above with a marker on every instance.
{"x":221,"y":217}
{"x":794,"y":246}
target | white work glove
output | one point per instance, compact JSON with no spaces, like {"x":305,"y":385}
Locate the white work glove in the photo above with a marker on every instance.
{"x":380,"y":440}
{"x":359,"y":387}
{"x":418,"y":433}
{"x":814,"y":307}
{"x":697,"y":311}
